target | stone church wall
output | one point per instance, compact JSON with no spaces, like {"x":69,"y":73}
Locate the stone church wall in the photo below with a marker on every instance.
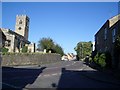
{"x":29,"y":59}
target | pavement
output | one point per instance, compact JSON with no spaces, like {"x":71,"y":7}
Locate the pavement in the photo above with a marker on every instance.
{"x":101,"y":76}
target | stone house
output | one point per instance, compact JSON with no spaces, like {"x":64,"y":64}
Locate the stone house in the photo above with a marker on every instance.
{"x":69,"y":57}
{"x":105,"y":37}
{"x":2,"y":39}
{"x":14,"y":41}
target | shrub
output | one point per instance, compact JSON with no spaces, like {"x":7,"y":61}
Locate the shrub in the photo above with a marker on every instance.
{"x":100,"y":59}
{"x":4,"y":50}
{"x":24,"y":49}
{"x":96,"y":58}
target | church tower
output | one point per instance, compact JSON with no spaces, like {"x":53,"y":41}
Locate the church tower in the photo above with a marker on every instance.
{"x":22,"y":25}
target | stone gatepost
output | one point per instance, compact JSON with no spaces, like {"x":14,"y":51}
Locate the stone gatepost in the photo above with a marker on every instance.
{"x":45,"y":50}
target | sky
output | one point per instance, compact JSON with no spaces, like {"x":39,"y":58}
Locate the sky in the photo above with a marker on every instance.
{"x":67,"y":23}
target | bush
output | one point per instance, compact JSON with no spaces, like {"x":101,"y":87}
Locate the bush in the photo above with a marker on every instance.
{"x":96,"y":58}
{"x":24,"y":49}
{"x":4,"y":50}
{"x":100,"y":59}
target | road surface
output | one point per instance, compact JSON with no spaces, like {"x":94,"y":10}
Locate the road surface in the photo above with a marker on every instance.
{"x":64,"y":74}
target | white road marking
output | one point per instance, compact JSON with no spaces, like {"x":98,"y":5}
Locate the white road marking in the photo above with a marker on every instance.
{"x":69,"y":65}
{"x":77,"y":69}
{"x":61,"y":66}
{"x":81,"y":69}
{"x":49,"y":75}
{"x":55,"y":74}
{"x":9,"y":85}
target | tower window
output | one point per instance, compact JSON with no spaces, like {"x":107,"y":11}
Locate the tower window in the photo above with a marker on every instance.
{"x":20,"y":22}
{"x":19,"y":28}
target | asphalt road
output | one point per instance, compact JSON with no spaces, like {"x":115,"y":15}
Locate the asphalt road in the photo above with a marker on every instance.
{"x":64,"y":74}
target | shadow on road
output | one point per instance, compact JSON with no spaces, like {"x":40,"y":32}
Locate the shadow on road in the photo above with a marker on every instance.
{"x":83,"y":79}
{"x":19,"y":77}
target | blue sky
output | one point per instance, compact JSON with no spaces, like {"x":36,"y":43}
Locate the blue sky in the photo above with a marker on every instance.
{"x":66,"y":23}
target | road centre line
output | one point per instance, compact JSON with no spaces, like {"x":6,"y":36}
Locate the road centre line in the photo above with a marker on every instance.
{"x":48,"y":75}
{"x":61,"y":66}
{"x":9,"y":85}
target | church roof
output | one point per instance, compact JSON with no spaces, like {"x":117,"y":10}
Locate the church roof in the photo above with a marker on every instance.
{"x":16,"y":34}
{"x":3,"y":35}
{"x":113,"y":20}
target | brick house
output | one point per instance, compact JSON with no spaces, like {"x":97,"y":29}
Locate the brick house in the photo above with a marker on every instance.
{"x":105,"y":37}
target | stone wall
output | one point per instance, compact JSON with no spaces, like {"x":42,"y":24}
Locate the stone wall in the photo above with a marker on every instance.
{"x":29,"y":59}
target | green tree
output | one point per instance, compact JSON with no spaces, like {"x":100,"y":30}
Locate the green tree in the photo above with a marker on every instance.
{"x":58,"y":49}
{"x":24,"y":49}
{"x":96,"y":58}
{"x":102,"y":59}
{"x":48,"y":44}
{"x":83,"y":48}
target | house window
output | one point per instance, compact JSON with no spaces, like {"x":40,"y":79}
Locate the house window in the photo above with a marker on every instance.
{"x":97,"y":41}
{"x":106,"y":48}
{"x":113,"y":35}
{"x":105,"y":34}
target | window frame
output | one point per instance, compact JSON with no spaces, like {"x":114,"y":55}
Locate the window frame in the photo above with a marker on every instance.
{"x":105,"y":33}
{"x":20,"y":21}
{"x":113,"y":34}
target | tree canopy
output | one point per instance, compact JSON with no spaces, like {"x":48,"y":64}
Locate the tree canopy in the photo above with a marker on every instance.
{"x":83,"y":49}
{"x":45,"y":43}
{"x":49,"y":44}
